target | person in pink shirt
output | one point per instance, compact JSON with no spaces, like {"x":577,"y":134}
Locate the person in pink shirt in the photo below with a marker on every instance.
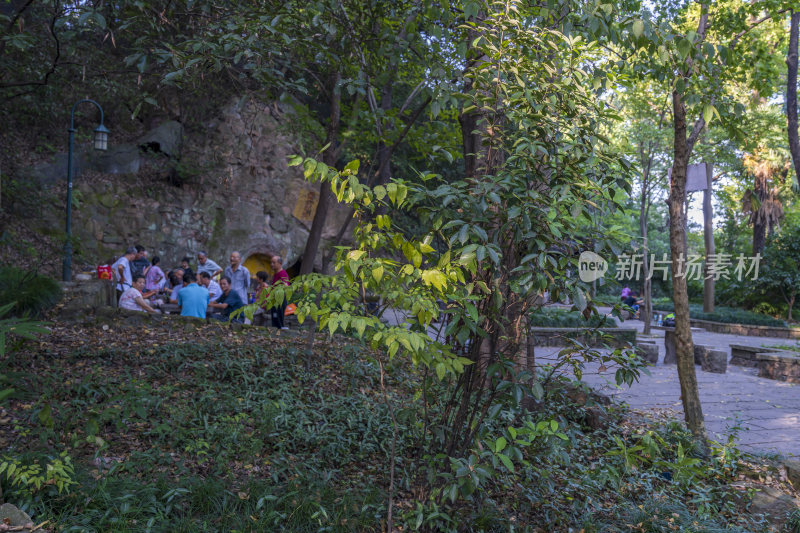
{"x":625,"y":293}
{"x":280,"y":276}
{"x":153,"y":275}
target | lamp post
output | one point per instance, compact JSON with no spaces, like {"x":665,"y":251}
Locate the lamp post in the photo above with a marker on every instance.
{"x":100,"y":143}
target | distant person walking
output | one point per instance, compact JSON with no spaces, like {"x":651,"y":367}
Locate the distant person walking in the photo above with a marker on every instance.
{"x":239,"y":276}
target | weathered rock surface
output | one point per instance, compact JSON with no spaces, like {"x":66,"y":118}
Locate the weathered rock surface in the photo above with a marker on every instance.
{"x":225,"y":187}
{"x":12,"y":516}
{"x":772,"y":503}
{"x":793,"y":472}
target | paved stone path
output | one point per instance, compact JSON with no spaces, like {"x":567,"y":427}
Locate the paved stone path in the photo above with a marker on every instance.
{"x":767,"y":411}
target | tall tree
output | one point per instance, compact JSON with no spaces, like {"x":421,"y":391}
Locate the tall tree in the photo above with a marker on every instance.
{"x":791,"y":92}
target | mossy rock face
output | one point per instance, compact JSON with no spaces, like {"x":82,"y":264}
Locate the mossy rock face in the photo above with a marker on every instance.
{"x":106,"y":200}
{"x":241,"y":195}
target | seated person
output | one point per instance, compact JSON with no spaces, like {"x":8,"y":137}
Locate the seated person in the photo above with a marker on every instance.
{"x":214,"y":291}
{"x":229,"y":302}
{"x":192,"y":298}
{"x":176,"y":284}
{"x":260,"y":317}
{"x":132,"y":298}
{"x":626,"y":292}
{"x":185,"y":264}
{"x":633,"y":302}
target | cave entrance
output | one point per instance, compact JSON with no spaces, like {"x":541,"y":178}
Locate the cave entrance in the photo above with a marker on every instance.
{"x":258,"y":261}
{"x":293,"y":270}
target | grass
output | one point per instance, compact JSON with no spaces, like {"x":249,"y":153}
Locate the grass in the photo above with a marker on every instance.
{"x":786,"y":347}
{"x":217,"y":430}
{"x":189,"y":437}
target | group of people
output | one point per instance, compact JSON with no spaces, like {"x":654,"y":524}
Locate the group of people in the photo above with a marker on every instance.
{"x":210,"y":291}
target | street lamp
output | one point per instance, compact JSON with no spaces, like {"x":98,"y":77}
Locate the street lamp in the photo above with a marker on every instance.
{"x":100,"y":143}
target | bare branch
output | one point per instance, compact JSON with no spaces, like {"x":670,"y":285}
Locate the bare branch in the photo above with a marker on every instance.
{"x":739,"y":35}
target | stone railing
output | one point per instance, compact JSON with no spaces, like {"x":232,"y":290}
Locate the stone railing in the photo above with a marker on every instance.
{"x":614,"y":337}
{"x":745,"y":329}
{"x":746,"y":355}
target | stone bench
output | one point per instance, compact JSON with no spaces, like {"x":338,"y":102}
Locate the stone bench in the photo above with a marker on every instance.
{"x":746,"y":355}
{"x":647,"y":351}
{"x":709,"y":359}
{"x":781,"y":366}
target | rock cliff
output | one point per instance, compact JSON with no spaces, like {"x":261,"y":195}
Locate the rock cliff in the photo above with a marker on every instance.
{"x":224,"y":187}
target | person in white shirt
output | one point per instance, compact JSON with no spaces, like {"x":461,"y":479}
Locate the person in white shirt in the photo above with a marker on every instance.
{"x":214,"y":290}
{"x":204,"y":264}
{"x":132,"y":298}
{"x":122,"y":271}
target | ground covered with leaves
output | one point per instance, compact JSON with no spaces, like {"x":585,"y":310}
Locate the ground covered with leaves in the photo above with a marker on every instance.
{"x":115,"y":428}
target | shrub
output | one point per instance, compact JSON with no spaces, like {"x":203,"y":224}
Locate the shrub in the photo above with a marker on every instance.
{"x":33,"y":293}
{"x":728,"y":315}
{"x":562,"y":318}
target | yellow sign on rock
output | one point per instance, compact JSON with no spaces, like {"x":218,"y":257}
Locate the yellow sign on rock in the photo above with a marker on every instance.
{"x":306,"y":205}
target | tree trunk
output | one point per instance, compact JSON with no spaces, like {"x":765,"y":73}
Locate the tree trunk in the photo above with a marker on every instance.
{"x":708,"y":234}
{"x":647,"y":311}
{"x":325,"y":194}
{"x":759,"y":235}
{"x":791,"y":93}
{"x":791,"y":305}
{"x":530,"y":352}
{"x":692,"y":409}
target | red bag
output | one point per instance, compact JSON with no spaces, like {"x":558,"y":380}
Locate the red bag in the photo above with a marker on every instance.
{"x":103,"y":272}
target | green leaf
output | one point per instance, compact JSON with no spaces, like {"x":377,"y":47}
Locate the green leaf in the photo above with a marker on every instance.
{"x":472,"y":311}
{"x":377,"y":273}
{"x":708,"y":113}
{"x":500,"y":444}
{"x":684,"y":47}
{"x":5,"y":393}
{"x":506,"y":461}
{"x":638,"y":28}
{"x":309,"y":166}
{"x":352,"y":166}
{"x":360,"y":325}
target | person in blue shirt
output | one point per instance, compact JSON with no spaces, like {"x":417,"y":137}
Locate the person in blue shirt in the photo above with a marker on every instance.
{"x":229,"y":302}
{"x":192,"y":298}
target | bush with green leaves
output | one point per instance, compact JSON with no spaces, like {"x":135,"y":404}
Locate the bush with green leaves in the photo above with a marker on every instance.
{"x":563,"y":318}
{"x":728,"y":315}
{"x":32,"y":293}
